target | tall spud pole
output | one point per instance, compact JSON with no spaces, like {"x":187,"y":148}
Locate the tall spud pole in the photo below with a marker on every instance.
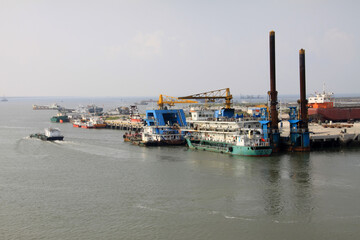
{"x":303,"y":101}
{"x":275,"y":136}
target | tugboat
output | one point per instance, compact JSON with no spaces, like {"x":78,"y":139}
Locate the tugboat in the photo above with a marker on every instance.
{"x":77,"y":123}
{"x":51,"y":134}
{"x":135,"y":115}
{"x":87,"y":125}
{"x":97,"y":122}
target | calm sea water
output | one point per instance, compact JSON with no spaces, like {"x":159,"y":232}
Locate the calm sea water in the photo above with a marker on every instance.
{"x":94,"y":186}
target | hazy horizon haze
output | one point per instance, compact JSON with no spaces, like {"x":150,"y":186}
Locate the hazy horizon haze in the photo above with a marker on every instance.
{"x":146,"y":48}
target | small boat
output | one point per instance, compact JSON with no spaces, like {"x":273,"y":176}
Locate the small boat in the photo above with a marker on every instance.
{"x":87,"y":125}
{"x":51,"y":134}
{"x":132,"y":137}
{"x":97,"y":122}
{"x":77,"y":123}
{"x":135,"y":115}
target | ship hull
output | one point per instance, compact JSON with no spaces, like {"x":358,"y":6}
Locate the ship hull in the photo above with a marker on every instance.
{"x":334,"y":114}
{"x":45,"y":138}
{"x":163,"y":143}
{"x":87,"y":127}
{"x":60,"y":119}
{"x":132,"y":137}
{"x":256,"y":151}
{"x":100,"y":125}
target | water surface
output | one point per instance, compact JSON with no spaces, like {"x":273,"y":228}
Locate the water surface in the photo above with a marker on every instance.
{"x":94,"y":186}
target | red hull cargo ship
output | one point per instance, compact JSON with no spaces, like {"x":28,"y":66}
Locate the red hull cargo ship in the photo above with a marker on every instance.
{"x":321,"y":107}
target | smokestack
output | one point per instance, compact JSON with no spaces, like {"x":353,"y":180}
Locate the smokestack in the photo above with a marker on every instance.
{"x":303,"y":101}
{"x":273,"y":92}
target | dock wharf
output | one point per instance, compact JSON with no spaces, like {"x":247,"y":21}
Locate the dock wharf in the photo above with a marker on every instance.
{"x":330,"y":135}
{"x":124,"y":125}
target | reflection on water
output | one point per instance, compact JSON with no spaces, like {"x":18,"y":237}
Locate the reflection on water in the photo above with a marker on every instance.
{"x":279,"y":185}
{"x":300,"y":174}
{"x":288,"y":184}
{"x":273,"y":189}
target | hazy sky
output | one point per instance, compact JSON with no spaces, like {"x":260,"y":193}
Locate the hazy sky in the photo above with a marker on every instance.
{"x":144,"y":48}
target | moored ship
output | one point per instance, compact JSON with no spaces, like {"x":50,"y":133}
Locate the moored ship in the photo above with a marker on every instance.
{"x":53,"y":106}
{"x":322,"y":107}
{"x":61,"y":118}
{"x":133,"y":137}
{"x":232,"y":136}
{"x":97,"y":122}
{"x":162,"y":128}
{"x":162,"y":136}
{"x":135,"y":115}
{"x":77,"y":123}
{"x":87,"y":125}
{"x":93,"y":122}
{"x":93,"y":109}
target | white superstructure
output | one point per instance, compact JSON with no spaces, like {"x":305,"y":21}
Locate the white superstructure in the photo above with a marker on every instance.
{"x":323,"y":97}
{"x":52,"y":132}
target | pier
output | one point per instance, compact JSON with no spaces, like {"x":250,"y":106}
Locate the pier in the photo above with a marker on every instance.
{"x":124,"y":125}
{"x":329,"y":135}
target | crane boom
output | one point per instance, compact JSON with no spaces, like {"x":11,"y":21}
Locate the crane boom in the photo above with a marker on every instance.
{"x":163,"y":99}
{"x":212,"y":95}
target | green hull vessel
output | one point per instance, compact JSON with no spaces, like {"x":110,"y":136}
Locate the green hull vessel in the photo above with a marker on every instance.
{"x":59,"y":119}
{"x":256,"y":151}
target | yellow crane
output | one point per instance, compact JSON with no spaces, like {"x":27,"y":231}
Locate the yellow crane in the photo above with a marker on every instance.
{"x":163,"y":99}
{"x":212,"y":95}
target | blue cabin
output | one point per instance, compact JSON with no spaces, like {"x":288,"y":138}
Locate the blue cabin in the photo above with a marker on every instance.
{"x":264,"y":121}
{"x":165,"y":117}
{"x":299,"y":137}
{"x":225,"y":112}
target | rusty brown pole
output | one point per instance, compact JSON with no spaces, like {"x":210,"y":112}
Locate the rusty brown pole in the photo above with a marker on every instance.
{"x":273,"y":93}
{"x":303,"y":101}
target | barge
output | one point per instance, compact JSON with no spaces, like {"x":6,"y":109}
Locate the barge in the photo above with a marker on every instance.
{"x":50,"y":134}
